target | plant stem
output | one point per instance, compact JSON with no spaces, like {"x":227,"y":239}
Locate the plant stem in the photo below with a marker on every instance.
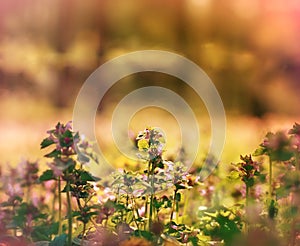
{"x":28,"y":193}
{"x":152,"y":196}
{"x":186,"y":200}
{"x":297,"y":163}
{"x":146,"y":209}
{"x":270,"y":178}
{"x":293,"y":224}
{"x":247,"y":195}
{"x":150,"y":211}
{"x":59,"y":206}
{"x":83,"y":231}
{"x":173,"y":205}
{"x":137,"y":213}
{"x":15,"y":229}
{"x":69,"y":208}
{"x":247,"y":208}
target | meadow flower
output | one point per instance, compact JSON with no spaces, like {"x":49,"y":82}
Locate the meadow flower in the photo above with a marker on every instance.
{"x":104,"y":194}
{"x":276,"y":146}
{"x":248,"y":169}
{"x":151,"y":141}
{"x":28,"y":172}
{"x":295,"y":132}
{"x":177,"y":174}
{"x":64,"y":139}
{"x":14,"y":192}
{"x":57,"y":170}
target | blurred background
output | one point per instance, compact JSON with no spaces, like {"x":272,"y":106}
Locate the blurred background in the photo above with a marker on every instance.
{"x":249,"y":49}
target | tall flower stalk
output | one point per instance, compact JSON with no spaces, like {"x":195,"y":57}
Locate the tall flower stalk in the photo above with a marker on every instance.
{"x":64,"y":140}
{"x":277,"y":148}
{"x":247,"y":170}
{"x":151,"y":144}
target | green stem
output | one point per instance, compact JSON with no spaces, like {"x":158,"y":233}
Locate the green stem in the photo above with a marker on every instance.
{"x":270,"y":178}
{"x":297,"y":164}
{"x":152,"y":196}
{"x":151,"y":210}
{"x":247,"y":195}
{"x":146,"y":209}
{"x":247,"y":208}
{"x":293,"y":224}
{"x":177,"y":211}
{"x":69,"y":208}
{"x":83,"y":232}
{"x":186,"y":200}
{"x":15,"y":229}
{"x":173,"y":205}
{"x":59,"y":206}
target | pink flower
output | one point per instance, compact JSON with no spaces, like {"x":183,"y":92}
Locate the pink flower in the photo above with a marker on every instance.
{"x":57,"y":172}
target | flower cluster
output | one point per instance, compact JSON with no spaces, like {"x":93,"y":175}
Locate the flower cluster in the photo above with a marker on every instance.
{"x":248,"y":169}
{"x":151,"y":141}
{"x":295,"y":139}
{"x":276,"y":146}
{"x":64,"y":139}
{"x":67,"y":205}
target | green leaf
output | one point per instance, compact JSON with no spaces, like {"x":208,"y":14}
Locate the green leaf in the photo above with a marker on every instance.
{"x":193,"y":240}
{"x":47,"y":175}
{"x":46,"y":142}
{"x":249,"y":182}
{"x":64,"y":189}
{"x":86,"y":176}
{"x":260,"y":151}
{"x":281,"y":155}
{"x":178,"y":197}
{"x":145,"y":234}
{"x":59,"y":240}
{"x":54,"y":153}
{"x":76,"y":213}
{"x":44,"y":232}
{"x":272,"y":209}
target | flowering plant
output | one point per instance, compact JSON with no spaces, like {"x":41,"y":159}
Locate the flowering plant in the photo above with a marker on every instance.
{"x":62,"y":203}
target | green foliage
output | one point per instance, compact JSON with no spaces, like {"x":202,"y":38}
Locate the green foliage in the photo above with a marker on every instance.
{"x":221,"y":223}
{"x":44,"y":231}
{"x":47,"y":175}
{"x":159,"y":203}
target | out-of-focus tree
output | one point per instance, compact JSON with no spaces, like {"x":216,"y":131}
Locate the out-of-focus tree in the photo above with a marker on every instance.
{"x":249,"y":48}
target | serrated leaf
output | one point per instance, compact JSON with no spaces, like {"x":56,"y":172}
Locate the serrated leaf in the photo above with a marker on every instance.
{"x":46,"y":142}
